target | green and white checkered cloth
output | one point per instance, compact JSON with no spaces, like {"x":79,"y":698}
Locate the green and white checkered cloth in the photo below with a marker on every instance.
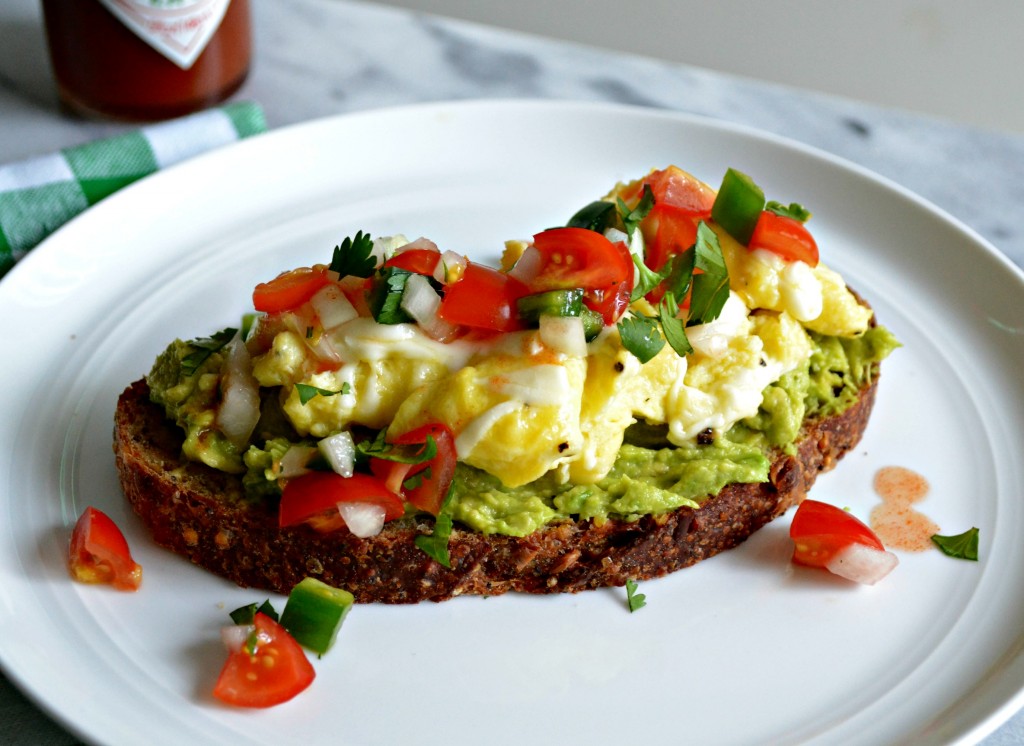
{"x":39,"y":195}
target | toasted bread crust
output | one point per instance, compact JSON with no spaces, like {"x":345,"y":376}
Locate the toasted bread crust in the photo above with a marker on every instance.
{"x":202,"y":514}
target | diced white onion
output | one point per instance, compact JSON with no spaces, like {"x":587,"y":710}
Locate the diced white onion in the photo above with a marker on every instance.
{"x":239,"y":409}
{"x":295,"y":460}
{"x":421,"y":301}
{"x":340,"y":451}
{"x":712,"y":339}
{"x":384,"y":246}
{"x":234,"y":636}
{"x":528,"y":266}
{"x":863,"y":564}
{"x":564,"y":334}
{"x":615,"y":235}
{"x":419,"y":243}
{"x":363,"y":519}
{"x":450,"y":268}
{"x":332,"y":307}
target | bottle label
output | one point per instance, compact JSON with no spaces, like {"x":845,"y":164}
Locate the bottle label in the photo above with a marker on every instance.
{"x":177,"y":29}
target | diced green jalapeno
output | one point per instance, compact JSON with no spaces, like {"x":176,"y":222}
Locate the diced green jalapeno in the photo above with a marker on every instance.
{"x":314,"y":613}
{"x":597,"y":216}
{"x":593,"y":323}
{"x":550,"y":303}
{"x":738,"y":205}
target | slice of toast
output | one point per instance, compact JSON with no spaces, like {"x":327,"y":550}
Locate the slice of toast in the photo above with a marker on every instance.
{"x":203,"y":515}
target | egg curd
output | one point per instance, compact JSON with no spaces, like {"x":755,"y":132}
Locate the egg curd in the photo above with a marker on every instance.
{"x":548,"y":424}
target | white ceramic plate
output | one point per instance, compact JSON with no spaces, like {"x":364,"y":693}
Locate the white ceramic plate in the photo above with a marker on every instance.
{"x":743,"y":648}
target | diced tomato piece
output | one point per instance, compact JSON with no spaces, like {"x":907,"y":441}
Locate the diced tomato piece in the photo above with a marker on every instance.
{"x":829,"y":537}
{"x":313,"y":497}
{"x":676,"y":188}
{"x":433,"y":477}
{"x":290,"y":289}
{"x":420,"y":261}
{"x":786,"y":237}
{"x":274,"y":671}
{"x":99,"y":553}
{"x":483,"y":298}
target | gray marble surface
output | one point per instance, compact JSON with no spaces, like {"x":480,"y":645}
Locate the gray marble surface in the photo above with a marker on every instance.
{"x":322,"y":57}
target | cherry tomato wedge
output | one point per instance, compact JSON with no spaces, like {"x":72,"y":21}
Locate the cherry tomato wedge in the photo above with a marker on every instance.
{"x":99,"y":553}
{"x":420,"y":261}
{"x":786,"y":237}
{"x":314,"y":497}
{"x":274,"y":671}
{"x":820,"y":531}
{"x":289,"y":290}
{"x":431,"y":479}
{"x":578,"y":258}
{"x":483,"y":298}
{"x":573,"y":257}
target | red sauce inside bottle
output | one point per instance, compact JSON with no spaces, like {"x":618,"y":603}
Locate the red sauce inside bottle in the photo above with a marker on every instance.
{"x":102,"y":68}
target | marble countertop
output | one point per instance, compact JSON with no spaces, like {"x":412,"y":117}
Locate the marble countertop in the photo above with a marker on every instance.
{"x":392,"y":57}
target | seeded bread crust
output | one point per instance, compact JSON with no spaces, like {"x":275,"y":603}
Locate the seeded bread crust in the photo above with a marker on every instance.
{"x":201,"y":514}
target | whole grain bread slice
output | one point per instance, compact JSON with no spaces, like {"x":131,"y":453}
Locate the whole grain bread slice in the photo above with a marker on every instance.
{"x":202,"y":514}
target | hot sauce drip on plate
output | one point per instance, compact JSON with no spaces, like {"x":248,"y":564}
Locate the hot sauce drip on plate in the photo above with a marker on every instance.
{"x":895,"y":521}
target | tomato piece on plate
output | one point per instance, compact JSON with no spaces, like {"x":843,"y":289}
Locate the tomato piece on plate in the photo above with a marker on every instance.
{"x":826,"y":536}
{"x":420,"y":261}
{"x":786,"y":237}
{"x":426,"y":484}
{"x":483,"y":298}
{"x":290,"y":289}
{"x":314,"y":497}
{"x":269,"y":670}
{"x":99,"y":553}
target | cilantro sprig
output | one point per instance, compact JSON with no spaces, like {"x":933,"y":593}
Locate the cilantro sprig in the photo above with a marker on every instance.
{"x":700,"y":271}
{"x":961,"y":546}
{"x":204,"y":348}
{"x":416,"y":453}
{"x":631,"y":217}
{"x":793,"y":210}
{"x":354,"y":257}
{"x":435,"y":544}
{"x":633,"y":599}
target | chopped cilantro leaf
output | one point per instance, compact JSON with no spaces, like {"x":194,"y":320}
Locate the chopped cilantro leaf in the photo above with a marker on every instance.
{"x":205,"y":347}
{"x":711,"y":285}
{"x":633,"y":599}
{"x":247,"y":614}
{"x":354,"y":257}
{"x":385,"y":299}
{"x":416,"y":453}
{"x":961,"y":546}
{"x":631,"y":218}
{"x":640,"y":336}
{"x":673,"y":327}
{"x":435,"y":544}
{"x":307,"y":392}
{"x":793,"y":210}
{"x":647,"y":278}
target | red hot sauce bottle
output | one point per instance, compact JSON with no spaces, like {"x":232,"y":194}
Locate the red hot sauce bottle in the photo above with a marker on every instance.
{"x":145,"y":60}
